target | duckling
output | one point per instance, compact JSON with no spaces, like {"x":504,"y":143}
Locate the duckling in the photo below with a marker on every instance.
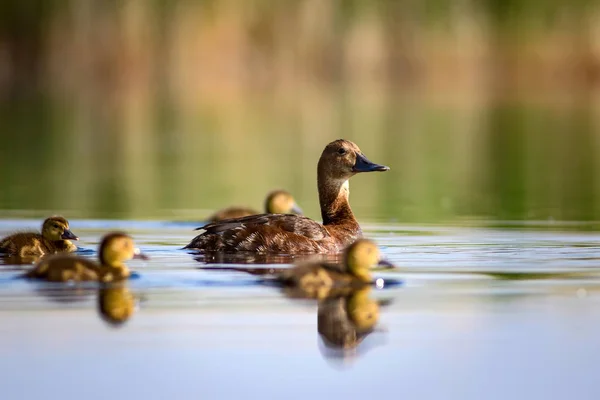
{"x":344,"y":322}
{"x":55,"y":238}
{"x":321,"y":280}
{"x":116,"y":304}
{"x":277,"y":202}
{"x":294,"y":234}
{"x":114,"y":249}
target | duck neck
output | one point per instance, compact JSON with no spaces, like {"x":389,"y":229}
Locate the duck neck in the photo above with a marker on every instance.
{"x":333,"y":198}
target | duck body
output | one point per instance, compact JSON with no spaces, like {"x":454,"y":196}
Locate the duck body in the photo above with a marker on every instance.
{"x":115,"y":248}
{"x":30,"y":244}
{"x":275,"y":233}
{"x":55,"y":238}
{"x":294,"y":234}
{"x":64,"y":268}
{"x":277,"y":202}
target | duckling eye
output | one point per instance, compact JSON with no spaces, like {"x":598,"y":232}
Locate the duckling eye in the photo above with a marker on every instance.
{"x":55,"y":226}
{"x":341,"y":151}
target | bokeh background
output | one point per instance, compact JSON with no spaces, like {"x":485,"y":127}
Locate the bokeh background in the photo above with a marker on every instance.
{"x":484,"y":109}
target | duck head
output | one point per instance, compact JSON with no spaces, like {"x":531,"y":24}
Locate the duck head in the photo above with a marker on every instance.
{"x":281,"y":202}
{"x":361,"y":256}
{"x":341,"y":159}
{"x":117,"y":248}
{"x":57,"y":228}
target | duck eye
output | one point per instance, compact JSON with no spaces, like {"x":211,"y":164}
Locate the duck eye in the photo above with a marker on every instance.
{"x":342,"y":151}
{"x":55,"y":225}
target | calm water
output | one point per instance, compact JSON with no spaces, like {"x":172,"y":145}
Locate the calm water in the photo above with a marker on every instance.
{"x":480,"y":313}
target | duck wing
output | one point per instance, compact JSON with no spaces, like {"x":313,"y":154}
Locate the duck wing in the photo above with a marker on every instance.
{"x":265,"y":233}
{"x":291,"y":223}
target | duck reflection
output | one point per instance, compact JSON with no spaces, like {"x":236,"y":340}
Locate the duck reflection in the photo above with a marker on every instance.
{"x":245,"y":257}
{"x":116,"y":303}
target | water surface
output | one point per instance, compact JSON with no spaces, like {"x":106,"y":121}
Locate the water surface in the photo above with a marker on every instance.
{"x":480,"y":313}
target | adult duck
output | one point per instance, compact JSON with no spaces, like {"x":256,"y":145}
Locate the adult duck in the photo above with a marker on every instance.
{"x":277,"y":202}
{"x":115,"y":249}
{"x":55,"y":237}
{"x":294,"y":234}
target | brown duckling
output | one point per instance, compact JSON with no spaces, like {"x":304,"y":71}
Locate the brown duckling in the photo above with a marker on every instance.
{"x":116,"y":304}
{"x":294,"y":234}
{"x":277,"y":202}
{"x":114,"y":249}
{"x":55,"y":237}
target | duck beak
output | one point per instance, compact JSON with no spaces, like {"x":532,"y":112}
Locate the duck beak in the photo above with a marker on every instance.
{"x":68,"y":235}
{"x":363,"y":164}
{"x":139,"y":255}
{"x":296,"y":210}
{"x":385,"y":263}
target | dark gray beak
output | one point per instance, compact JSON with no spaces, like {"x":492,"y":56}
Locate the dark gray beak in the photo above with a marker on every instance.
{"x":68,"y":235}
{"x":385,"y":264}
{"x":363,"y":164}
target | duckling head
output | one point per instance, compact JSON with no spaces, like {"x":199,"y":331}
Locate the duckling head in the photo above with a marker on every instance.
{"x":118,"y":247}
{"x":57,"y":228}
{"x":281,"y":202}
{"x":361,"y":256}
{"x":341,"y":159}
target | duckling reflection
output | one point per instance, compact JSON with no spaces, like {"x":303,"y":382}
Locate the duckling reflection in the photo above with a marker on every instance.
{"x":344,"y":321}
{"x":116,"y":303}
{"x":277,"y":202}
{"x":55,"y":238}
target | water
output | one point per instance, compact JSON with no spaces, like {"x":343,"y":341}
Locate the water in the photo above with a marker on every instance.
{"x":479,"y":313}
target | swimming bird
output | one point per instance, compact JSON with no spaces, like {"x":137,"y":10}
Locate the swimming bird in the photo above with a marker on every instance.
{"x":115,"y":248}
{"x":321,"y":280}
{"x":55,"y":237}
{"x":277,"y":202}
{"x":294,"y":234}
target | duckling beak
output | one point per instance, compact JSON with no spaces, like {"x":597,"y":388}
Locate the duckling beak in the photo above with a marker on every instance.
{"x":68,"y":235}
{"x":139,"y":255}
{"x":296,"y":210}
{"x":363,"y":164}
{"x":385,"y":263}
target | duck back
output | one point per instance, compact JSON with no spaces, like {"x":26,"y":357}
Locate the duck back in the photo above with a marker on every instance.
{"x":266,"y":233}
{"x":63,"y":268}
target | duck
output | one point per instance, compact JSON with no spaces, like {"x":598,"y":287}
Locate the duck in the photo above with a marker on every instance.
{"x":55,"y":238}
{"x":115,"y":248}
{"x":296,"y":234}
{"x":277,"y":202}
{"x":319,"y":280}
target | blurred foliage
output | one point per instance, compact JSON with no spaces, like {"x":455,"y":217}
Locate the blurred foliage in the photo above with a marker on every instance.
{"x":171,"y":108}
